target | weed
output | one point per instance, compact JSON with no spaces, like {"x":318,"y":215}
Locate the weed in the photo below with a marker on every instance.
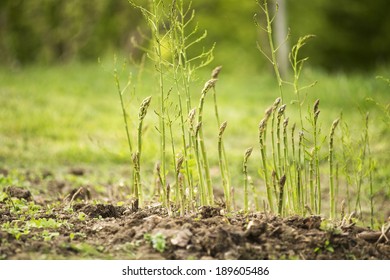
{"x":15,"y":230}
{"x":47,"y":236}
{"x":44,"y":223}
{"x":131,"y":248}
{"x":76,"y":235}
{"x":158,"y":241}
{"x":81,"y":216}
{"x":19,"y":228}
{"x":325,"y":247}
{"x":330,"y":226}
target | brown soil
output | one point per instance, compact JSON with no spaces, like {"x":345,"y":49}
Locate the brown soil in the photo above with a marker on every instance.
{"x":105,"y":231}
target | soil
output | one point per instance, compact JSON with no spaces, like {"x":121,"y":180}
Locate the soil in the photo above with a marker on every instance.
{"x":91,"y":230}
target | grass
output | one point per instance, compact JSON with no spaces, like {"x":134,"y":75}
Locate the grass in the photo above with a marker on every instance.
{"x":58,"y":115}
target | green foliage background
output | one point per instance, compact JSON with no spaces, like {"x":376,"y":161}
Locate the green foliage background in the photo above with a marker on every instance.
{"x":48,"y":31}
{"x":351,"y":34}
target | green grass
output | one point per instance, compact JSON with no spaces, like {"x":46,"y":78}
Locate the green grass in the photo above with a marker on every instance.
{"x":59,"y":115}
{"x":70,"y":115}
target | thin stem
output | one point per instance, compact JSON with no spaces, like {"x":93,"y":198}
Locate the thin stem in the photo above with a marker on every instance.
{"x":370,"y":170}
{"x":255,"y":194}
{"x":332,"y":213}
{"x":316,"y":113}
{"x":169,"y":124}
{"x":273,"y":50}
{"x":137,"y":156}
{"x":282,"y":182}
{"x":360,"y":174}
{"x":287,"y":170}
{"x":210,"y":196}
{"x":300,"y":191}
{"x":296,"y":201}
{"x":248,"y":152}
{"x":278,"y":139}
{"x":263,"y":151}
{"x":274,"y":156}
{"x":222,"y":168}
{"x":311,"y":181}
{"x":179,"y":185}
{"x":124,"y":113}
{"x":137,"y":178}
{"x":202,"y":188}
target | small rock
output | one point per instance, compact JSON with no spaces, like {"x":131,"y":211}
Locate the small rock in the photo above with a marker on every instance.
{"x":182,"y":238}
{"x":231,"y":255}
{"x":207,"y":258}
{"x":255,"y":229}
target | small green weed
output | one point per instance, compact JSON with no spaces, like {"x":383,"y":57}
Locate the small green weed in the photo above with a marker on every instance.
{"x":47,"y":236}
{"x":19,"y":228}
{"x":14,"y":229}
{"x":27,"y":222}
{"x":330,"y":226}
{"x":45,"y":223}
{"x":325,"y":247}
{"x":131,"y":248}
{"x":74,"y":235}
{"x":158,"y":241}
{"x":81,"y":216}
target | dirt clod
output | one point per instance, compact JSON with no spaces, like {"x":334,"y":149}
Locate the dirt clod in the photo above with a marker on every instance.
{"x":104,"y":211}
{"x":18,"y":192}
{"x":80,"y":193}
{"x":77,"y":171}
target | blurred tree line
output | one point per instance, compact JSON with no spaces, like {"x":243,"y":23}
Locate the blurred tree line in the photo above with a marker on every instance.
{"x":60,"y":30}
{"x":350,"y":34}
